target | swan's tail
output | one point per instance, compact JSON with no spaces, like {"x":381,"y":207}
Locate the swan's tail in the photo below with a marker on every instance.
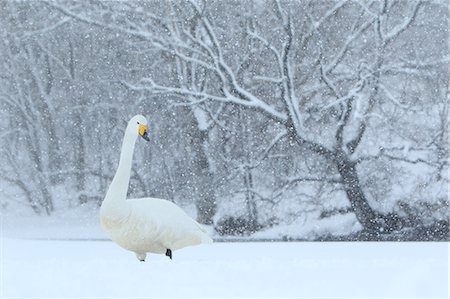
{"x":205,"y":239}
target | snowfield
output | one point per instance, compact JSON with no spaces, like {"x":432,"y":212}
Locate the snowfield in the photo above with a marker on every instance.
{"x":67,"y":256}
{"x":77,"y":268}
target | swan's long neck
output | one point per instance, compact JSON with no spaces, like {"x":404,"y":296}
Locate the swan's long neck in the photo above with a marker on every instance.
{"x":119,"y":186}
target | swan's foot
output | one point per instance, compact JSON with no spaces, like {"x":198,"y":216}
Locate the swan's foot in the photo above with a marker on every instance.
{"x":169,"y":253}
{"x":141,"y":256}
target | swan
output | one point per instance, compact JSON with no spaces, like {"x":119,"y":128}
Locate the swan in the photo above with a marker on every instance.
{"x":144,"y":225}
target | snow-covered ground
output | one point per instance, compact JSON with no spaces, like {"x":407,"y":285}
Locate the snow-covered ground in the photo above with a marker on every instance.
{"x":51,"y":268}
{"x":66,"y":255}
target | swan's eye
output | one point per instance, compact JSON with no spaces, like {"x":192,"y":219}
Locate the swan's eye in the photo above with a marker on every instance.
{"x":138,"y":123}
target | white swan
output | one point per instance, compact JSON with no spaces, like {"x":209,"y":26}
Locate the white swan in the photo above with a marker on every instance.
{"x":145,"y":224}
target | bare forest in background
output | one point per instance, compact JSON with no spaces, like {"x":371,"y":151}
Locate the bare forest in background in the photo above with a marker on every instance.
{"x":262,"y":114}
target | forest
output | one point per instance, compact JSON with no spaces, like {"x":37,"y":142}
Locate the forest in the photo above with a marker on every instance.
{"x":297,"y":120}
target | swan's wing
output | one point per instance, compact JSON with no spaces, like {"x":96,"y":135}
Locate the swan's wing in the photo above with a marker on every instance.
{"x":160,"y":211}
{"x":168,"y":223}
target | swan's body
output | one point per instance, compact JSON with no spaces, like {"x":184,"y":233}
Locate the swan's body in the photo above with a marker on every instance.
{"x":145,"y":224}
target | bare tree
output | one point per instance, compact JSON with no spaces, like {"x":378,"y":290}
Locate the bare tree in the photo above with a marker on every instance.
{"x":271,"y":102}
{"x":349,"y":98}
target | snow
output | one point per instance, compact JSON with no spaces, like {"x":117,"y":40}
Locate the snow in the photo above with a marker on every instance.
{"x":57,"y":268}
{"x":335,"y":225}
{"x":82,"y":222}
{"x":67,"y":256}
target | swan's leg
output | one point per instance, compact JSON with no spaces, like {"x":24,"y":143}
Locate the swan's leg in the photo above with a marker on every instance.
{"x":169,"y":253}
{"x":141,"y":256}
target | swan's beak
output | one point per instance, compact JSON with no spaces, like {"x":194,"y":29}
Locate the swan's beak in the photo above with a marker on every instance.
{"x":143,"y":132}
{"x":145,"y":136}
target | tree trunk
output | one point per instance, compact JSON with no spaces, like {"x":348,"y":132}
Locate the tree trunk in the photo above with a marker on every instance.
{"x":368,"y":218}
{"x":252,"y":211}
{"x":206,"y":200}
{"x":80,"y":159}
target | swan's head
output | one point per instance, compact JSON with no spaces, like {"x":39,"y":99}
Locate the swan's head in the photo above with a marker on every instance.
{"x":139,"y":125}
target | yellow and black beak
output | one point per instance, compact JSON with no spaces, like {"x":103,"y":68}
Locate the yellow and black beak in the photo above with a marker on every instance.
{"x":143,"y":132}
